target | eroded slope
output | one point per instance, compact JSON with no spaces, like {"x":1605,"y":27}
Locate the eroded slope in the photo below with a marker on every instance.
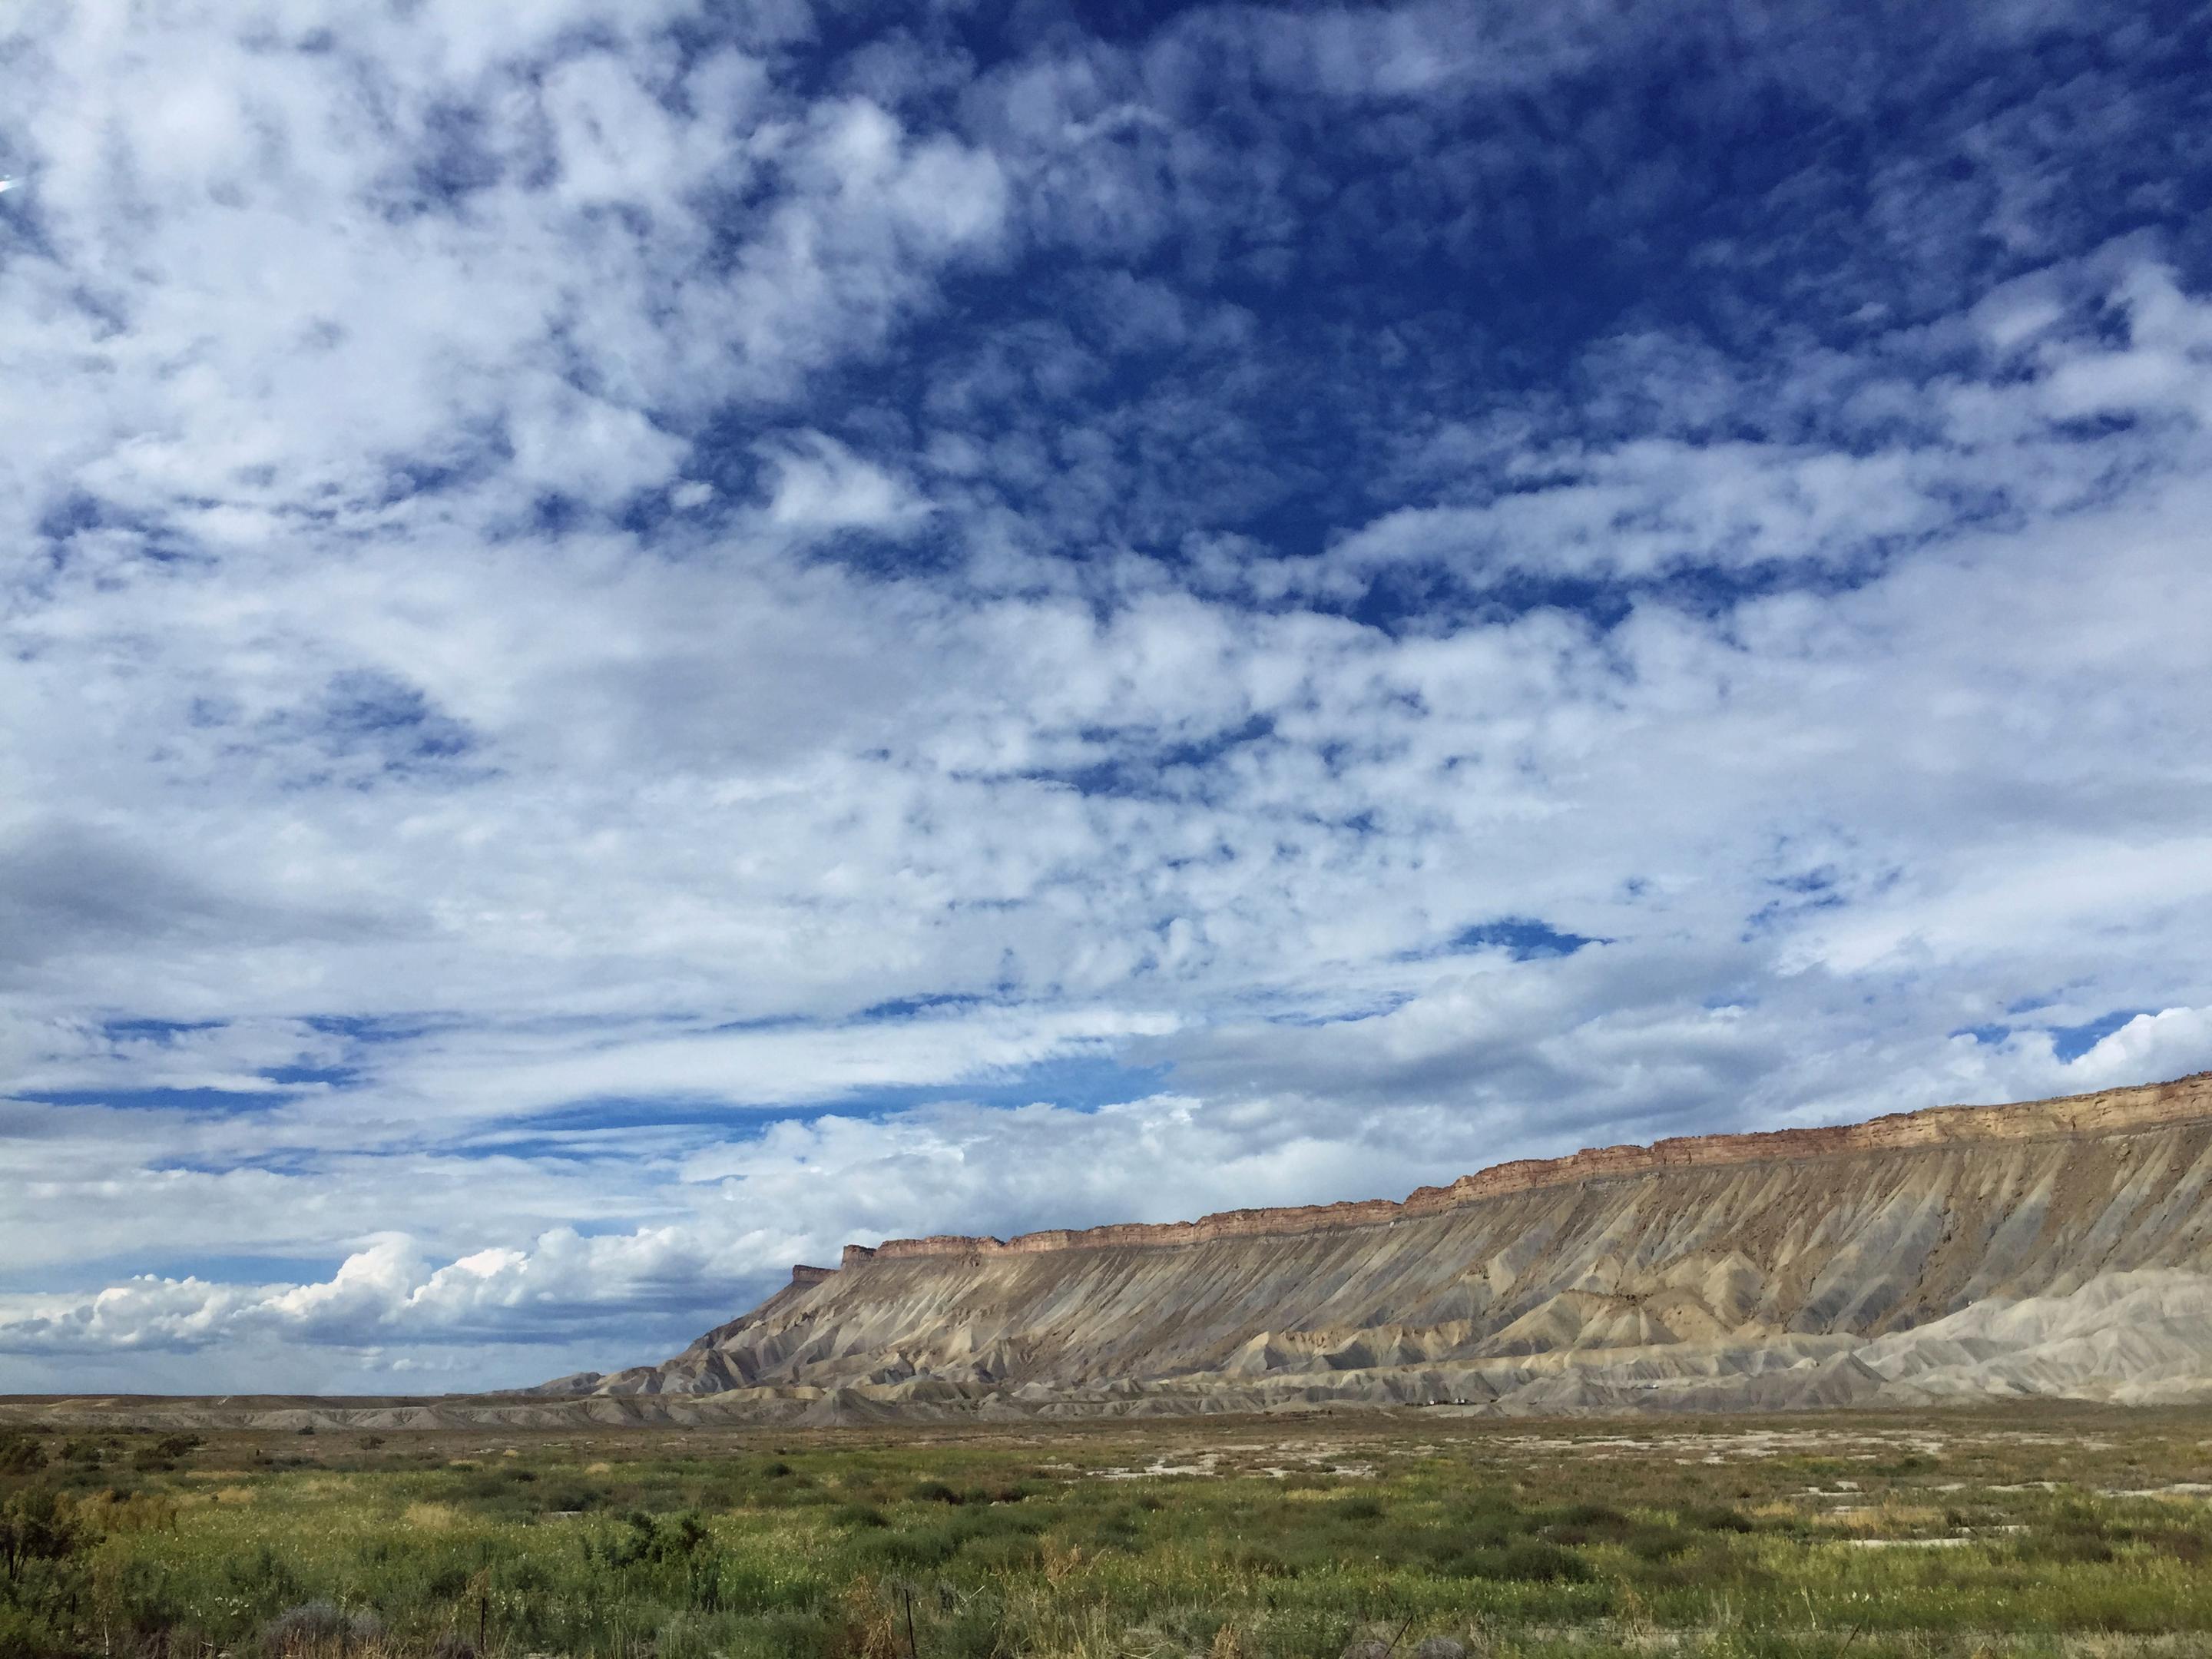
{"x":2058,"y":1248}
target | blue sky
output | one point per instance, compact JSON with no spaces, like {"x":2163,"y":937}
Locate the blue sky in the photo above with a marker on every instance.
{"x":642,"y":640}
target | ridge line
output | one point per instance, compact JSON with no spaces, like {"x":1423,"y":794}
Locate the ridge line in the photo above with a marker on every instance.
{"x":2108,"y":1111}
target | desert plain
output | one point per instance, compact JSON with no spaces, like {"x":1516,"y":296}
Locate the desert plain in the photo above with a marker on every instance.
{"x":2029,"y":1527}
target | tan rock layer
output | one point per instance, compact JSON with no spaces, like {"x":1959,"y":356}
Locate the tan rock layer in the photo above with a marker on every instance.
{"x":2185,"y":1100}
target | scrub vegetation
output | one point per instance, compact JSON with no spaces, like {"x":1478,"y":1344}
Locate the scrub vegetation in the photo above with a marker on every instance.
{"x":2034,"y":1532}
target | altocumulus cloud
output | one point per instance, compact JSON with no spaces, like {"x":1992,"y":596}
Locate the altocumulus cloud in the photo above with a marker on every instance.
{"x":643,"y":639}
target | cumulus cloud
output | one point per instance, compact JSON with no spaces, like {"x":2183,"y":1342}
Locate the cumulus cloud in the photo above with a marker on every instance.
{"x":643,"y":642}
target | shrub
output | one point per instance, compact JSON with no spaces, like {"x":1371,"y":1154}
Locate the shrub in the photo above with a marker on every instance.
{"x":676,"y":1539}
{"x":162,"y":1453}
{"x":1718,"y":1518}
{"x":1911,"y":1463}
{"x":37,"y":1525}
{"x":1526,"y":1560}
{"x":319,"y":1627}
{"x":1658,"y":1543}
{"x":261,"y":1575}
{"x":2065,"y":1548}
{"x":1584,"y":1523}
{"x":1262,"y":1562}
{"x":1487,"y":1518}
{"x":1484,"y":1532}
{"x":21,"y":1455}
{"x":2185,"y":1546}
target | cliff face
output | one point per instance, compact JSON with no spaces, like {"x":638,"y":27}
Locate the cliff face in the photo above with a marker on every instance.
{"x":2064,"y":1247}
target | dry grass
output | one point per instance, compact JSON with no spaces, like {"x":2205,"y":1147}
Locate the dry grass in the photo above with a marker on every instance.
{"x":1888,"y":1520}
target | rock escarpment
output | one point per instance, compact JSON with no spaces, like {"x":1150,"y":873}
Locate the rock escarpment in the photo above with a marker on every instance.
{"x":2061,"y":1247}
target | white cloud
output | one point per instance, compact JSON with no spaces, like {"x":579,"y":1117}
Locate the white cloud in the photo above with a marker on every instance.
{"x":821,"y":487}
{"x":460,"y":819}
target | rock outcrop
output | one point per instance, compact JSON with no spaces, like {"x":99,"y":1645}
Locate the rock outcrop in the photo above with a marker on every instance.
{"x":2061,"y":1247}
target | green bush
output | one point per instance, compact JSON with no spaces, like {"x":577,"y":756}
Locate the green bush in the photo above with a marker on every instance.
{"x":1587,"y":1523}
{"x":914,"y":1548}
{"x":2064,"y":1549}
{"x":565,"y":1496}
{"x":1658,"y":1543}
{"x":1525,"y":1560}
{"x":261,"y":1576}
{"x":26,"y":1634}
{"x":644,"y":1539}
{"x":1599,"y":1517}
{"x":1718,"y":1518}
{"x":164,"y":1454}
{"x":36,"y":1525}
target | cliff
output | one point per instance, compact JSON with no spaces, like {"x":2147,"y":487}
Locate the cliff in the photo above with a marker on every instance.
{"x":2062,"y":1247}
{"x":2179,"y":1102}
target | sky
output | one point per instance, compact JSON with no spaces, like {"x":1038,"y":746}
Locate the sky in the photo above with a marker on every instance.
{"x":640,"y":640}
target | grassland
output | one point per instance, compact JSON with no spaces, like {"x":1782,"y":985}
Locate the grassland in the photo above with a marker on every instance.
{"x":2027,"y":1531}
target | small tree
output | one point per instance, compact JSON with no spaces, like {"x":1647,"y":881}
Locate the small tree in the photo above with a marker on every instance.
{"x":35,"y":1525}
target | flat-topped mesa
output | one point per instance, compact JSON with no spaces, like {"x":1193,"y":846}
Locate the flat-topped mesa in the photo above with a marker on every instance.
{"x":2052,"y":1249}
{"x":803,"y":1274}
{"x":2185,"y":1100}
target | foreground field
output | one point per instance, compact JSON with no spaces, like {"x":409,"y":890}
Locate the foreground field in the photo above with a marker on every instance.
{"x":2029,"y":1531}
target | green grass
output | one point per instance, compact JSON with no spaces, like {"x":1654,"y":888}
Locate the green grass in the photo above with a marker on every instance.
{"x":1511,"y":1540}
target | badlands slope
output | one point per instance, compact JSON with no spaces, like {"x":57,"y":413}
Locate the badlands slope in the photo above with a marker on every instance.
{"x":2059,"y":1249}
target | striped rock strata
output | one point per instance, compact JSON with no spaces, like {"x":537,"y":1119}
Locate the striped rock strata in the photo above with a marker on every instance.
{"x":2061,"y":1247}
